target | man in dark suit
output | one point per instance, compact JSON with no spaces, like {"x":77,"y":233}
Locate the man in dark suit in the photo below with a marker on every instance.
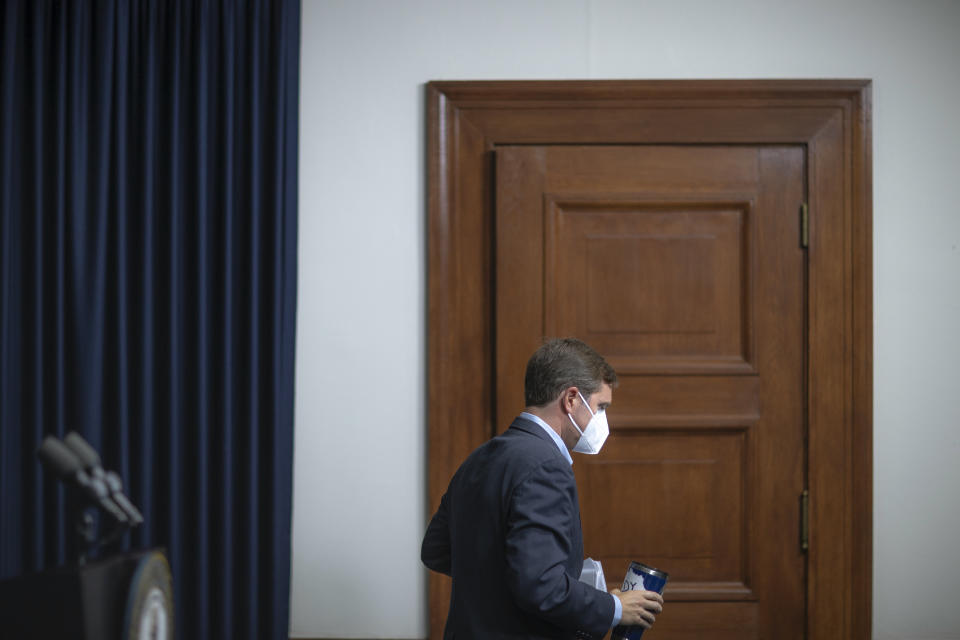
{"x":508,"y":528}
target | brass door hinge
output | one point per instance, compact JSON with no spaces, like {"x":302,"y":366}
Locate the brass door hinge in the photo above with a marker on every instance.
{"x":804,"y":225}
{"x":805,"y":520}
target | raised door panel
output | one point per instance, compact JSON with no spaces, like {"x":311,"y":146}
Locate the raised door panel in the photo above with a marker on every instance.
{"x":665,"y":285}
{"x":692,"y":515}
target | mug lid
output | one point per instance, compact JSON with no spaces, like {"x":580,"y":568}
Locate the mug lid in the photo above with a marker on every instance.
{"x":642,"y":568}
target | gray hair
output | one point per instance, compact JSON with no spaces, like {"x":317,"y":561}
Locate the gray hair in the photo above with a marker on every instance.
{"x":562,"y":363}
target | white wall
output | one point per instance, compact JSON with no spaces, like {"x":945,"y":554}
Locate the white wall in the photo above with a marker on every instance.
{"x":359,"y":495}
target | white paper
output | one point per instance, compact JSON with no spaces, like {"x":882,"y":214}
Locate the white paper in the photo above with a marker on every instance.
{"x":592,"y":574}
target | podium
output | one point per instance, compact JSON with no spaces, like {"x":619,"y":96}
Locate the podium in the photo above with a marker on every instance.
{"x":120,"y":597}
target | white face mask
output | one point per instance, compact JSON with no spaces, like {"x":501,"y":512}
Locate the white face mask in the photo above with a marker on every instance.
{"x":596,"y":432}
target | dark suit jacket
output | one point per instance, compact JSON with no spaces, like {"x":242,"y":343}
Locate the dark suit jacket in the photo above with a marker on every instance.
{"x":508,"y":532}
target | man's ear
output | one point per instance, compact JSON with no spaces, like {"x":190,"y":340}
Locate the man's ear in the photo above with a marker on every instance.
{"x":567,"y":398}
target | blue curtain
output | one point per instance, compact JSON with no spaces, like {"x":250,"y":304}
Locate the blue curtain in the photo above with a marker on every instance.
{"x":148,"y":163}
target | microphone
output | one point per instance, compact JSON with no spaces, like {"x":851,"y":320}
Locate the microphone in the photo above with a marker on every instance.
{"x":90,"y":461}
{"x":57,"y":458}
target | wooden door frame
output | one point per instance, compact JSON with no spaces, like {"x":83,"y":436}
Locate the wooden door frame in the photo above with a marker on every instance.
{"x":831,"y":119}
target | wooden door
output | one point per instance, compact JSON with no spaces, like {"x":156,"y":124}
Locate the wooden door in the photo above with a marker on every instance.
{"x":683,"y":266}
{"x":734,"y":431}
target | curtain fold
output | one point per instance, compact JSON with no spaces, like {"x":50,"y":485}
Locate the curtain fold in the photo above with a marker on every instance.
{"x":148,"y":161}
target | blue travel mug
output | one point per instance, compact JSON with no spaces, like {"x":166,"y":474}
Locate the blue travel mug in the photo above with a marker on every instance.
{"x":639,"y":576}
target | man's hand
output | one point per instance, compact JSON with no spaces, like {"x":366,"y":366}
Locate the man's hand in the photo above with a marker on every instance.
{"x":639,"y":607}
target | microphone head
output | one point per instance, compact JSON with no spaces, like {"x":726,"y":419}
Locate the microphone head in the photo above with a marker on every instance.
{"x":113,"y":481}
{"x":87,"y":455}
{"x":56,"y":457}
{"x":95,"y":487}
